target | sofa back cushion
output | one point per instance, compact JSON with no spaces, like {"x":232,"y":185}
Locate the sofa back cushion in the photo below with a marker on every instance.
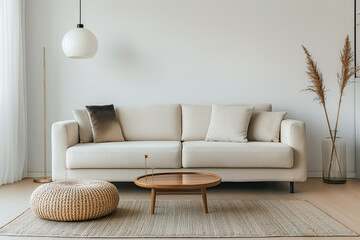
{"x":150,"y":123}
{"x":196,"y":119}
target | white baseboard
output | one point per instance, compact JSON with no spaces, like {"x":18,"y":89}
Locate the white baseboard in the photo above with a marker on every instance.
{"x":37,"y":174}
{"x":310,"y":174}
{"x":319,"y":174}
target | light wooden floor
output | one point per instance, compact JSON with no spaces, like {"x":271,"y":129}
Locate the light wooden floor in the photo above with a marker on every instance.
{"x":342,"y":202}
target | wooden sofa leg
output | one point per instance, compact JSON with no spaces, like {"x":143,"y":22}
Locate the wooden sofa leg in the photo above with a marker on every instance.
{"x":291,"y":187}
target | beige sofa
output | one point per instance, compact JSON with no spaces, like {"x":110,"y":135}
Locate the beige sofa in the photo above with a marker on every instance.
{"x":173,"y":136}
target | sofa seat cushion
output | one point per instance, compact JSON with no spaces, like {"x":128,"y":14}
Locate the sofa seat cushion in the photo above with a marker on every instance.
{"x":199,"y":154}
{"x":128,"y":154}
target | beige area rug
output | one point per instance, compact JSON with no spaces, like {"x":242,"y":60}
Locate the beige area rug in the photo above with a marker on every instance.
{"x":185,"y":218}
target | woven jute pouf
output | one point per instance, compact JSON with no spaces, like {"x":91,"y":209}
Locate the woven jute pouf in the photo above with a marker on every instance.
{"x":74,"y":200}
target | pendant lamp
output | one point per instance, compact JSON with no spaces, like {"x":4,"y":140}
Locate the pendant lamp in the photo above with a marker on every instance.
{"x":79,"y":43}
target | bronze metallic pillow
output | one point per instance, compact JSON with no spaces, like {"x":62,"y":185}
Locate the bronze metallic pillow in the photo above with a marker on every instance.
{"x":105,"y":127}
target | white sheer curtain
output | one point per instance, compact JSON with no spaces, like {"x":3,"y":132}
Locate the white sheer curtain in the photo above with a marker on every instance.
{"x":13,"y":165}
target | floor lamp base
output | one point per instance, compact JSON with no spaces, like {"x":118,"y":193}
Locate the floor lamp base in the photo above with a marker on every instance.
{"x":42,"y":180}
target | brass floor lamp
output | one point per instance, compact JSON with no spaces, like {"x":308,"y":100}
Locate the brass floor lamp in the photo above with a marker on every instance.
{"x":44,"y":179}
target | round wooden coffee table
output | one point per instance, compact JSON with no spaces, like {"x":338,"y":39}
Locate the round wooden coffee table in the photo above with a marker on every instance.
{"x":183,"y":183}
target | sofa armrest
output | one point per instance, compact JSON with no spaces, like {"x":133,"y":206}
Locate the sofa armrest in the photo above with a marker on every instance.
{"x":293,"y":133}
{"x":63,"y":135}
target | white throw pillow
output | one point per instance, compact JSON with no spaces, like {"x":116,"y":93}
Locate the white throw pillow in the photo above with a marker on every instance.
{"x":229,"y":123}
{"x":82,"y":118}
{"x":265,"y":126}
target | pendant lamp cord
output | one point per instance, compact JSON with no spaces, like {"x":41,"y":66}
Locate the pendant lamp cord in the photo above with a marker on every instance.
{"x":80,"y":12}
{"x":80,"y":25}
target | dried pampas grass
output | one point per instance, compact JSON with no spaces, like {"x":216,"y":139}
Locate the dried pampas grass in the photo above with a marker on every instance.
{"x":316,"y":79}
{"x":317,"y":86}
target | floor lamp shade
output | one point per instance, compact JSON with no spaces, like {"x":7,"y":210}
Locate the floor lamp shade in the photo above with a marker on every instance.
{"x":79,"y":43}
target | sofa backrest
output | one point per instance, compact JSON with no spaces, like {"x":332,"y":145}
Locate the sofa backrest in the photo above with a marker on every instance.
{"x":196,"y":119}
{"x":147,"y":123}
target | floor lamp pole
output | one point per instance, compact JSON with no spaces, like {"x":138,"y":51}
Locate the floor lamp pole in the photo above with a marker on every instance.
{"x":44,"y":179}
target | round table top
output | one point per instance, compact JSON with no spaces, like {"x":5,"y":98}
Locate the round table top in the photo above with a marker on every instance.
{"x":178,"y":180}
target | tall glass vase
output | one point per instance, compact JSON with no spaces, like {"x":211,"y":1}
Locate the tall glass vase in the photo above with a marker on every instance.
{"x":334,"y":160}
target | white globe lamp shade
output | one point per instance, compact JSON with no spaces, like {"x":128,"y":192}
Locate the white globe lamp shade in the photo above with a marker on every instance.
{"x":79,"y":43}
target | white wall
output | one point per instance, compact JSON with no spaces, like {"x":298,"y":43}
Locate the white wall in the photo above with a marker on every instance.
{"x":190,"y":51}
